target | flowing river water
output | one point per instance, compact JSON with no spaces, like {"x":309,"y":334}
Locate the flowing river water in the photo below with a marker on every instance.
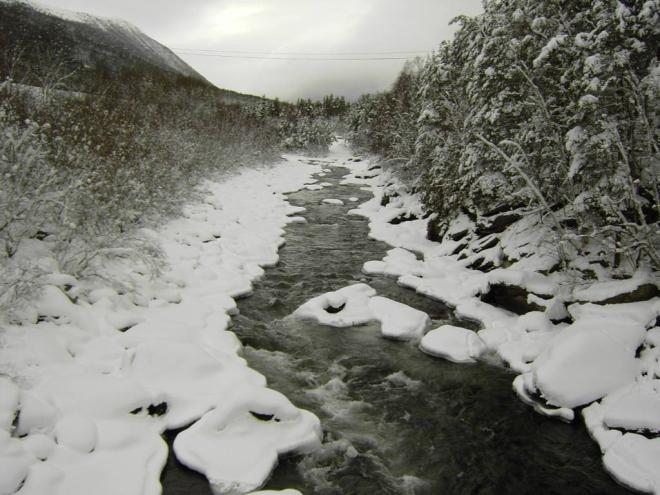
{"x":395,"y":421}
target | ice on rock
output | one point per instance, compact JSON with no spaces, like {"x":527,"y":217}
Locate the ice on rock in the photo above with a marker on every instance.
{"x":398,"y":321}
{"x":237,"y":444}
{"x":456,"y":344}
{"x":345,"y":307}
{"x":357,"y":305}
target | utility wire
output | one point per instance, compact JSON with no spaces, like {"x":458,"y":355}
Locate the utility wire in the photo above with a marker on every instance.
{"x":289,"y":58}
{"x":247,"y":52}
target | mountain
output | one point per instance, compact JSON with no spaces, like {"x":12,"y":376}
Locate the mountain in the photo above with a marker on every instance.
{"x":36,"y":36}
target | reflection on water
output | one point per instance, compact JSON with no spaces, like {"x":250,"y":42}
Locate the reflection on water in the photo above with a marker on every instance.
{"x":395,"y":420}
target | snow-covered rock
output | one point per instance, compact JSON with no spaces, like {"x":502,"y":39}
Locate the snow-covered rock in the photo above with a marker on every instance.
{"x":587,"y":360}
{"x":456,"y":344}
{"x":398,"y":321}
{"x":331,"y":201}
{"x":357,"y":305}
{"x":345,"y":307}
{"x":236,"y":445}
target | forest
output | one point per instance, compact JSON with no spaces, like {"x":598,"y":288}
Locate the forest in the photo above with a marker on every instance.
{"x":535,"y":108}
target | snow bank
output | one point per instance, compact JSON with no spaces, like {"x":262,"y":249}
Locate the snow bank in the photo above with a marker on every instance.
{"x":357,"y":305}
{"x":605,"y":355}
{"x":91,"y":385}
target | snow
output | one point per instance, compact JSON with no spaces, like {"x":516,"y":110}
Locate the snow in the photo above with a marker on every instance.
{"x":235,"y":449}
{"x":633,"y":460}
{"x":587,"y":360}
{"x":398,"y":321}
{"x":358,"y":305}
{"x":634,"y":407}
{"x":9,"y":395}
{"x":456,"y":344}
{"x":601,"y":291}
{"x":351,"y":304}
{"x":154,"y":51}
{"x":329,"y":201}
{"x":607,"y":358}
{"x":77,"y":433}
{"x":97,"y":381}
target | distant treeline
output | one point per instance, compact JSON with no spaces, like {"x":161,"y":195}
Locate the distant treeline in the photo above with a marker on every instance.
{"x":547,"y":106}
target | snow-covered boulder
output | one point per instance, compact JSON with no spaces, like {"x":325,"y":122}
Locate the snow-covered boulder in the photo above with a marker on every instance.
{"x":345,"y":307}
{"x":357,"y":305}
{"x":398,"y":321}
{"x":587,"y":360}
{"x":237,"y":444}
{"x":456,"y":344}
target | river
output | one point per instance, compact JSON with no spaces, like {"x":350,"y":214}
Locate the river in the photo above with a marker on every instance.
{"x":395,"y":421}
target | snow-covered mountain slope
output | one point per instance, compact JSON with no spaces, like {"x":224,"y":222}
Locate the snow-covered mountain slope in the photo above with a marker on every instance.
{"x":84,"y":38}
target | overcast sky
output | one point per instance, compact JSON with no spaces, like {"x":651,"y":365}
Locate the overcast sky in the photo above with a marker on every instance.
{"x":290,"y":29}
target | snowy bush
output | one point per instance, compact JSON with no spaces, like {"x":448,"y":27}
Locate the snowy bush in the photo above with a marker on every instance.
{"x":82,"y":175}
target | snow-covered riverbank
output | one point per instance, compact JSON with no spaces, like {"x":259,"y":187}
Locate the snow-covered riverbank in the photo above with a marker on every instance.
{"x":576,"y":347}
{"x":91,"y":375}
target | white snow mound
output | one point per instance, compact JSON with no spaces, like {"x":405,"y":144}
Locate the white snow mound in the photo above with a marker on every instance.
{"x":357,"y":305}
{"x":237,"y":444}
{"x":456,"y":344}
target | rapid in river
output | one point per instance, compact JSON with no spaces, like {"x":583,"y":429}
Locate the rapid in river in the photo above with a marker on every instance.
{"x":395,"y":420}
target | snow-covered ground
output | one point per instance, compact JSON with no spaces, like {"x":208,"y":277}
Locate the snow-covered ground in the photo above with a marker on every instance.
{"x":91,"y":374}
{"x":572,"y":351}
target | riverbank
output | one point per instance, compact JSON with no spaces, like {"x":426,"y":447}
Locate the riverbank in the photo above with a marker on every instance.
{"x":579,"y":347}
{"x":91,"y":374}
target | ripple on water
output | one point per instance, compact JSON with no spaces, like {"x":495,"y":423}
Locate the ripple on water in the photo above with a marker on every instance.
{"x":395,"y":420}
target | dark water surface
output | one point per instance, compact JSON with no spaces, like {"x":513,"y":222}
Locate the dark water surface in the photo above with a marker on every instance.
{"x":395,"y":421}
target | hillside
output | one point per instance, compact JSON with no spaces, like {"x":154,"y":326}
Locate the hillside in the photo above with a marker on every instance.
{"x":83,"y":39}
{"x":85,"y":49}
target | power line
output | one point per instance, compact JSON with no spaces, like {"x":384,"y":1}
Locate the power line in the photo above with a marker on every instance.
{"x":217,"y":55}
{"x":254,"y":52}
